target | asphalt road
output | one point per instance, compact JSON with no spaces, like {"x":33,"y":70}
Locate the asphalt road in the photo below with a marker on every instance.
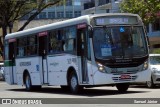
{"x":137,"y":91}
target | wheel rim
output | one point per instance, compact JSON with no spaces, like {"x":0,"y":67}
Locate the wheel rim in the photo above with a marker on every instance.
{"x":73,"y":82}
{"x":27,"y":82}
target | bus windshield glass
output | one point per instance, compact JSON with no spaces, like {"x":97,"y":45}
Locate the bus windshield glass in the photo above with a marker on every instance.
{"x":119,"y":42}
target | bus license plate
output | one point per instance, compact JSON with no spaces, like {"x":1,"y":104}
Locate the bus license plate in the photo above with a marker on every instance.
{"x":125,"y":76}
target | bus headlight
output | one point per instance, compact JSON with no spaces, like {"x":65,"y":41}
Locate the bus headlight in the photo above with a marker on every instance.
{"x":145,"y":65}
{"x":101,"y":68}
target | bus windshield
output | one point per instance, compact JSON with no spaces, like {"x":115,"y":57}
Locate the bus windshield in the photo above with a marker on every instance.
{"x":119,"y":42}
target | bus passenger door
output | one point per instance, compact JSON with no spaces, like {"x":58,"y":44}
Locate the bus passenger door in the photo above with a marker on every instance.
{"x":82,"y":54}
{"x":43,"y":52}
{"x":10,"y":71}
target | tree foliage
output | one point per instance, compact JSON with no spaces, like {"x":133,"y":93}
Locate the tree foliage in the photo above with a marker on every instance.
{"x":155,"y":51}
{"x":13,"y":10}
{"x":149,"y":10}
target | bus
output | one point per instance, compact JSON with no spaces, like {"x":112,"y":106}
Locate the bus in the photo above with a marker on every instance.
{"x":91,"y":50}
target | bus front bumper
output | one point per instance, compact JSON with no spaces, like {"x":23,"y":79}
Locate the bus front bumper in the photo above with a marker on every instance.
{"x":104,"y":78}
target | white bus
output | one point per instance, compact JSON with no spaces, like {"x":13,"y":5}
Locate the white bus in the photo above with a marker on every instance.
{"x":91,"y":50}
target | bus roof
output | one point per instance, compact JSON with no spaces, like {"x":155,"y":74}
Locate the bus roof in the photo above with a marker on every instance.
{"x":112,"y":14}
{"x":74,"y":21}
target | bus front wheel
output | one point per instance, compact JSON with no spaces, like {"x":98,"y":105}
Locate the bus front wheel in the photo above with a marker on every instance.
{"x":122,"y":87}
{"x":73,"y":83}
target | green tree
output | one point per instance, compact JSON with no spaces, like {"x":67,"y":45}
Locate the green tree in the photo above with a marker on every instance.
{"x":13,"y":10}
{"x":148,"y":10}
{"x":155,"y":51}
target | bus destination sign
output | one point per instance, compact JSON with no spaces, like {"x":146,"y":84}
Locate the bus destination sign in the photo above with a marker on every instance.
{"x":116,"y":20}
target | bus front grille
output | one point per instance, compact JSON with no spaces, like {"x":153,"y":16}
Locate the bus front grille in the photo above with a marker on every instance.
{"x":118,"y":78}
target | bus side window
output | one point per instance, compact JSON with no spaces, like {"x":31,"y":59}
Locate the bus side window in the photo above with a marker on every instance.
{"x":70,"y":41}
{"x":32,"y":45}
{"x":69,"y":45}
{"x":54,"y":41}
{"x":61,"y":39}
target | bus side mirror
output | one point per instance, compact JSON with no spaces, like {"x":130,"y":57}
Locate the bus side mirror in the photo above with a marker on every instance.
{"x":90,"y":31}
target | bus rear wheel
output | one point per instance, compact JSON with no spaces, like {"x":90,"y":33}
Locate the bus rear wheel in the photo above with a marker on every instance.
{"x":28,"y":83}
{"x":122,"y":87}
{"x":73,"y":84}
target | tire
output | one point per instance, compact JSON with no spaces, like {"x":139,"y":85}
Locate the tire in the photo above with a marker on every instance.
{"x":73,"y":84}
{"x":122,"y":87}
{"x":28,"y":83}
{"x":150,"y":83}
{"x":29,"y":86}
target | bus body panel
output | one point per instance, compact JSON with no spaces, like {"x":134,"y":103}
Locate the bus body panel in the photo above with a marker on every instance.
{"x":8,"y":75}
{"x":45,"y":70}
{"x":10,"y":72}
{"x":20,"y":79}
{"x":14,"y":75}
{"x":58,"y":66}
{"x":90,"y":73}
{"x":33,"y":65}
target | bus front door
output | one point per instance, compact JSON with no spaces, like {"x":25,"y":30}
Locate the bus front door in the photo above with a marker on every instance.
{"x":43,"y":53}
{"x":82,"y":54}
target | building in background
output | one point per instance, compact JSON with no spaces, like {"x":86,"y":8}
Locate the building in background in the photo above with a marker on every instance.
{"x":99,"y":6}
{"x":112,"y":6}
{"x":66,"y":10}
